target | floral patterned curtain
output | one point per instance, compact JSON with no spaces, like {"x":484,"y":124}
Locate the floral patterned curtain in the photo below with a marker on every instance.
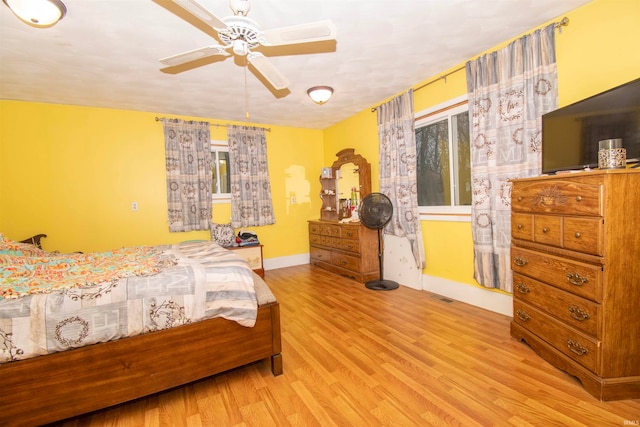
{"x":251,"y":203}
{"x":509,"y":91}
{"x":188,"y":164}
{"x":397,"y":140}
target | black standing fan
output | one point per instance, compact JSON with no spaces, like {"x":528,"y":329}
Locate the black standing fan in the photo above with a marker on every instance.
{"x":375,"y":212}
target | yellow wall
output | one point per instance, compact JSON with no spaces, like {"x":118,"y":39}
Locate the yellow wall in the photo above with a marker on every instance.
{"x":73,"y":172}
{"x":599,"y":49}
{"x":596,"y":51}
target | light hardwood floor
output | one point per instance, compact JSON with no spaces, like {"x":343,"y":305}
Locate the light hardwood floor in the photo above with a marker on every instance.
{"x":356,"y":357}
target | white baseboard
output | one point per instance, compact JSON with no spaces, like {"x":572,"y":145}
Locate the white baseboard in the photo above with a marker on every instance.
{"x":286,"y":261}
{"x":483,"y":298}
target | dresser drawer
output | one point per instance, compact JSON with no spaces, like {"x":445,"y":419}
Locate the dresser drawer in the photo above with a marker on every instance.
{"x":349,"y":245}
{"x":522,"y":226}
{"x":314,"y":228}
{"x":333,"y":242}
{"x":571,"y":309}
{"x":332,"y":230}
{"x":350,"y":232}
{"x":558,"y":196}
{"x":316,"y":239}
{"x":547,"y":229}
{"x":345,"y":261}
{"x":320,"y":254}
{"x":583,"y":235}
{"x":328,"y":241}
{"x":575,"y":277}
{"x":582,"y":348}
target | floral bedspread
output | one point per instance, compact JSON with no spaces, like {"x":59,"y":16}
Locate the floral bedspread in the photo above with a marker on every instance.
{"x":56,"y":302}
{"x":27,"y":270}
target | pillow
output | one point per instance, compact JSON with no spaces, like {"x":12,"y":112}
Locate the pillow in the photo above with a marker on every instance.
{"x":10,"y":247}
{"x":223,"y":234}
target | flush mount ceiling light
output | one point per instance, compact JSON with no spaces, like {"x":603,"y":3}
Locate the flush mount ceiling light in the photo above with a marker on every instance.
{"x":38,"y":13}
{"x":320,"y":94}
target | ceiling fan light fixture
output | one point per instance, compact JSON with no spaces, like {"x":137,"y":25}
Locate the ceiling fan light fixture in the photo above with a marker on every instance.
{"x":240,"y":47}
{"x":38,"y":13}
{"x":320,"y":94}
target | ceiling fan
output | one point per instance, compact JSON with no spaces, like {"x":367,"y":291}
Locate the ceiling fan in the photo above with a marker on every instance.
{"x":239,"y":35}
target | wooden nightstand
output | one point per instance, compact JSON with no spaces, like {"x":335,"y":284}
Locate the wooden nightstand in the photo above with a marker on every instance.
{"x":253,"y":255}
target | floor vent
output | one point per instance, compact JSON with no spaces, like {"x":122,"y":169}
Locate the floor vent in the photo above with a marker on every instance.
{"x":441,"y":298}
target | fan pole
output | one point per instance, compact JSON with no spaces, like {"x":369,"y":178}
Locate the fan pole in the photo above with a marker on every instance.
{"x":381,"y":284}
{"x":380,"y":253}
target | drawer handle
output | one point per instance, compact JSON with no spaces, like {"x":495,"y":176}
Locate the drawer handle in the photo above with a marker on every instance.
{"x":349,"y":234}
{"x":545,"y":230}
{"x":522,"y":288}
{"x":343,"y":262}
{"x":349,"y":246}
{"x":578,"y":314}
{"x":577,"y":279}
{"x":519,"y":198}
{"x":578,"y":235}
{"x":520,"y":262}
{"x":577,"y":348}
{"x":522,"y":315}
{"x":578,"y":198}
{"x":519,"y":226}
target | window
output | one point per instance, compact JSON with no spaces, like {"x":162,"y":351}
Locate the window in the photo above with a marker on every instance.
{"x":220,"y":184}
{"x":443,"y":159}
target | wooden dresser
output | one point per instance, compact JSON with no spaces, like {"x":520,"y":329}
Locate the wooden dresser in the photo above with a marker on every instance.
{"x":347,"y":249}
{"x":575,"y":258}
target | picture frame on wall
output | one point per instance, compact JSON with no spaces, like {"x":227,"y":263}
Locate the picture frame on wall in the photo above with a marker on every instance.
{"x":327,"y":173}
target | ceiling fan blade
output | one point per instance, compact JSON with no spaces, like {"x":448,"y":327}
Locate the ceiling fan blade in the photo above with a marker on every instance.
{"x":265,"y":68}
{"x":194,"y":13}
{"x":302,"y":33}
{"x":193,"y":55}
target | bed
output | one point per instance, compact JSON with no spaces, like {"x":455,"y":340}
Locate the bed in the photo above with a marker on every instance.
{"x":176,"y":349}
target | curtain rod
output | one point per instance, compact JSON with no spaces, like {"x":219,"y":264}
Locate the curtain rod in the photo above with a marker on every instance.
{"x":444,"y":76}
{"x":158,"y":119}
{"x":561,"y":23}
{"x":557,"y":25}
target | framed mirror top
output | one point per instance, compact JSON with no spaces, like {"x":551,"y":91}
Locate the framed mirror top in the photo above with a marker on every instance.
{"x":352,"y":170}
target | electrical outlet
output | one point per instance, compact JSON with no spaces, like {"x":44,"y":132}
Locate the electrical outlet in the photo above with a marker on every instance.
{"x":134,"y":206}
{"x":293,"y":200}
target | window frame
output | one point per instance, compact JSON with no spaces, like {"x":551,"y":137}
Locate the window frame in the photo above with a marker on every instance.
{"x":431,"y":115}
{"x":219,"y":146}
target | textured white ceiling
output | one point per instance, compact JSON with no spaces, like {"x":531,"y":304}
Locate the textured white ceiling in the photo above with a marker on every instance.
{"x":105,"y":53}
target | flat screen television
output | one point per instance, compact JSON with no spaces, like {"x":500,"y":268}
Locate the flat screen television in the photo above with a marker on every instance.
{"x":570,"y":134}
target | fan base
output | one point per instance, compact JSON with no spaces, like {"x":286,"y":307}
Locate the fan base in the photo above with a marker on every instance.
{"x":381,"y":285}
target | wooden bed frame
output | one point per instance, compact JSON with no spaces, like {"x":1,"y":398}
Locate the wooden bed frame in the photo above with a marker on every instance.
{"x":61,"y":385}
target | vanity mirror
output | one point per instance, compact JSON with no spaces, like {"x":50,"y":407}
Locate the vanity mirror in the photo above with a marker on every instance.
{"x":349,"y":163}
{"x":351,"y":178}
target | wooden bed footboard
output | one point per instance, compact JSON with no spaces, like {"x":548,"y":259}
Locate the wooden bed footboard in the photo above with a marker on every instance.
{"x":57,"y":386}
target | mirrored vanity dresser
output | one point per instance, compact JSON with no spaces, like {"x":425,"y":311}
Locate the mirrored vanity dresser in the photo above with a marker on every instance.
{"x":337,"y":242}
